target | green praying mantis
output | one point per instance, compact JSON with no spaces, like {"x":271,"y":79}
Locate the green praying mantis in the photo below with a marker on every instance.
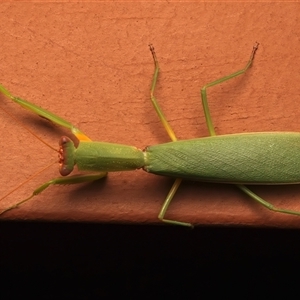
{"x":267,"y":158}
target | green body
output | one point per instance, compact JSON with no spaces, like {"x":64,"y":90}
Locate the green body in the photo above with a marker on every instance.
{"x":253,"y":158}
{"x":99,"y":156}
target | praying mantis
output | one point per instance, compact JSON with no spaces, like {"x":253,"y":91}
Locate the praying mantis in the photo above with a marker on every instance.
{"x":266,"y":158}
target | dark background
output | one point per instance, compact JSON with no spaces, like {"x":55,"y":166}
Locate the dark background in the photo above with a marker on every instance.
{"x":82,"y":261}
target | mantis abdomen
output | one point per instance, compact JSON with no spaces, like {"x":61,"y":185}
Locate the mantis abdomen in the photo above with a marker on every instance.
{"x":250,"y":158}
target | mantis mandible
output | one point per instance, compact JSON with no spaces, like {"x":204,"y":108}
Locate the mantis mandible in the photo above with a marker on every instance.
{"x":269,"y":158}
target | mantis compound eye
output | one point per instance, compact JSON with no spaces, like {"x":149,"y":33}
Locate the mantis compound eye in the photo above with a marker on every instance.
{"x":66,"y":156}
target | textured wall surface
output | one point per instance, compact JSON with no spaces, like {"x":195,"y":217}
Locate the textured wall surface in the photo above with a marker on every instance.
{"x":90,"y":64}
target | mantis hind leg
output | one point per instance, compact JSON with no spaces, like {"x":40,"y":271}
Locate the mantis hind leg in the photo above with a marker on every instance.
{"x":265,"y":203}
{"x":208,"y":119}
{"x":212,"y":132}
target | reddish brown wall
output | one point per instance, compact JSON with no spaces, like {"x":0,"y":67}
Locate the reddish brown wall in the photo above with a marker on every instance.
{"x":90,"y":63}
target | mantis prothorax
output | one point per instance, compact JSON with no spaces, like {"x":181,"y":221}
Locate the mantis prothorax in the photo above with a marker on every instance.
{"x":251,"y":158}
